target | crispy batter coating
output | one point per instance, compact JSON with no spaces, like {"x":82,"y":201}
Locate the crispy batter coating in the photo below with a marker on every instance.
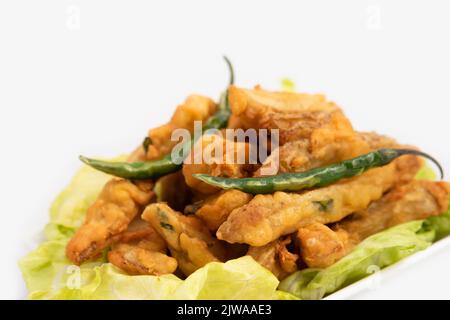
{"x":275,"y":257}
{"x":235,"y":123}
{"x":416,"y":200}
{"x":193,"y":254}
{"x":297,"y":116}
{"x":195,"y":108}
{"x":188,"y":238}
{"x":325,"y":148}
{"x":217,"y":156}
{"x":267,"y":217}
{"x":140,"y":250}
{"x":314,"y":132}
{"x":322,"y":246}
{"x":216,"y":209}
{"x":139,"y":261}
{"x":117,"y":205}
{"x":141,"y":232}
{"x":121,"y":200}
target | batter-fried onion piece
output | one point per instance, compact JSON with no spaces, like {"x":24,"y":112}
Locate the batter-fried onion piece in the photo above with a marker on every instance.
{"x":275,"y":257}
{"x":195,"y":108}
{"x":296,"y":116}
{"x":188,"y":238}
{"x":267,"y":217}
{"x":323,"y":149}
{"x":321,"y":246}
{"x":116,"y":206}
{"x":216,"y":156}
{"x":216,"y":209}
{"x":141,"y":250}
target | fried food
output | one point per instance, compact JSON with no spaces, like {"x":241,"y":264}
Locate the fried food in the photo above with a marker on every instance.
{"x":216,"y":156}
{"x":275,"y":257}
{"x":282,"y":231}
{"x":329,"y":148}
{"x":267,"y":217}
{"x":140,"y":232}
{"x":120,"y":202}
{"x":416,"y":200}
{"x":116,"y":206}
{"x":176,"y":197}
{"x":216,"y":209}
{"x":321,"y":246}
{"x":135,"y":260}
{"x":297,"y":116}
{"x":195,"y":108}
{"x":188,"y":238}
{"x":140,"y":250}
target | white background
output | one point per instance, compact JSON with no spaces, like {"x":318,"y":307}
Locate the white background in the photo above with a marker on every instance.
{"x":91,"y":77}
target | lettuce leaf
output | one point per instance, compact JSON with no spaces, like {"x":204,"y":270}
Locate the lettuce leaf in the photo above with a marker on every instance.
{"x":43,"y":268}
{"x":49,"y":275}
{"x":380,"y":250}
{"x":440,"y":225}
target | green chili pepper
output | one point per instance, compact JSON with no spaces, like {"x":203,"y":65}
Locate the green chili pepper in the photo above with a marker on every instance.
{"x":317,"y":177}
{"x":166,"y":165}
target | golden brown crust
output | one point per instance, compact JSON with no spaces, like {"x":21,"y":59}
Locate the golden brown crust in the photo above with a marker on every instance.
{"x":275,"y":257}
{"x":117,"y":205}
{"x":141,"y":232}
{"x":194,"y":108}
{"x":297,"y":116}
{"x":215,"y":210}
{"x":187,"y":237}
{"x":321,"y":246}
{"x":267,"y":217}
{"x":226,"y":164}
{"x":413,"y":201}
{"x":314,"y":132}
{"x":136,"y":260}
{"x":324,"y":148}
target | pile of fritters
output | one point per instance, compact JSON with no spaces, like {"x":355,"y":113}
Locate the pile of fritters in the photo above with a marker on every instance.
{"x":177,"y":224}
